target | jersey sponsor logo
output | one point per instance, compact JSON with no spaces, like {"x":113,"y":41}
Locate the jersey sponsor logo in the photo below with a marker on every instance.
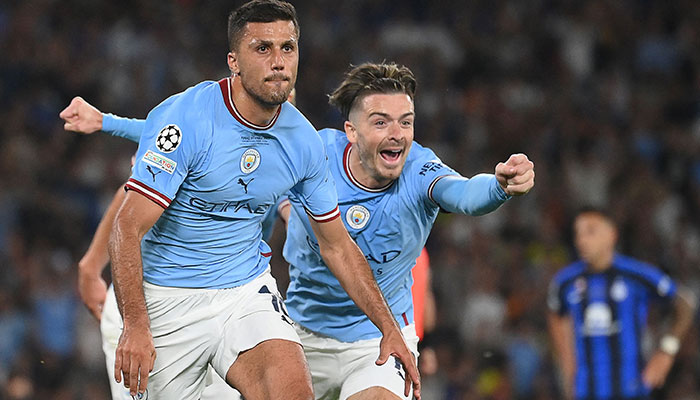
{"x":250,"y":161}
{"x":160,"y":162}
{"x":618,"y":290}
{"x":140,"y":396}
{"x":598,"y":320}
{"x":224,"y":206}
{"x":357,"y":216}
{"x":169,"y":138}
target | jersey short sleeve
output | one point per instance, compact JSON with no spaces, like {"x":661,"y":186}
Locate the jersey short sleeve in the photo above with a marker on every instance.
{"x":168,"y":148}
{"x":316,"y":191}
{"x":661,"y":285}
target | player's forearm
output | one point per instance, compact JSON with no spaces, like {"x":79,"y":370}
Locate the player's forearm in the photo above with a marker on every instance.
{"x":352,"y":271}
{"x":128,"y":128}
{"x":684,"y":306}
{"x":97,"y":255}
{"x":127,"y":273}
{"x":561,"y":332}
{"x":476,"y":196}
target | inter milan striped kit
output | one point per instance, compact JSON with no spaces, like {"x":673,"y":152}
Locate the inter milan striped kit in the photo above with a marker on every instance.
{"x":609,"y":311}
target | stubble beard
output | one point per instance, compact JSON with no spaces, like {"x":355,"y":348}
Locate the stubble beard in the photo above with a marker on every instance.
{"x":267,"y":98}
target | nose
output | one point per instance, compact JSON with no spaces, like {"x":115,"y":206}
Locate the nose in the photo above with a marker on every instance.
{"x":395,"y":131}
{"x":277,"y":60}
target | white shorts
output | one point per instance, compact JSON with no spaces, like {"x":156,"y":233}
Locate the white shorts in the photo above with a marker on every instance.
{"x":111,"y":328}
{"x":198,"y":334}
{"x":340,"y":369}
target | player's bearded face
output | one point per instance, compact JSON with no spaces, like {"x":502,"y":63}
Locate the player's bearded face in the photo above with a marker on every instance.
{"x":384,"y":133}
{"x":267,"y":59}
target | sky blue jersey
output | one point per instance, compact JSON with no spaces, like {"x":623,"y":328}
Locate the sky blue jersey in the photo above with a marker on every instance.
{"x":216,"y":175}
{"x":390,"y":225}
{"x":609,"y":311}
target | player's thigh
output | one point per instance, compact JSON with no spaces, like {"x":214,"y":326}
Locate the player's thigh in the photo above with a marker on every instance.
{"x":111,"y":329}
{"x":375,"y":393}
{"x":216,"y":388}
{"x":260,"y":352}
{"x":274,"y":369}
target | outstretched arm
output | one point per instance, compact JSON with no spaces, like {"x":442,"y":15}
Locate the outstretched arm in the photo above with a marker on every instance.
{"x":82,"y":117}
{"x":484,"y":193}
{"x":91,"y":286}
{"x":684,"y":305}
{"x":348,"y":264}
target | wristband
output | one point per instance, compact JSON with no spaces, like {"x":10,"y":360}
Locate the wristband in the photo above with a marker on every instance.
{"x":670,"y":345}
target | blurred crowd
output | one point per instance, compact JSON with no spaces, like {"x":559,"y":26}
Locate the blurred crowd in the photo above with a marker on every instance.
{"x":603,"y":95}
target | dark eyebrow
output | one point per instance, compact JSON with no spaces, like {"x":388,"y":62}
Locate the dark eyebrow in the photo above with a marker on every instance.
{"x":387,"y":116}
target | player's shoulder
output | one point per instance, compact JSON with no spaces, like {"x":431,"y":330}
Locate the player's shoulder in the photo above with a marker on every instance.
{"x":633,"y":266}
{"x":421,"y":154}
{"x":187,"y":106}
{"x":569,"y":273}
{"x":333,"y":139}
{"x":293,"y":124}
{"x":421,"y":159}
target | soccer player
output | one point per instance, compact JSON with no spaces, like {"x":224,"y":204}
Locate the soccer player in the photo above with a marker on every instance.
{"x":211,"y":161}
{"x":390,"y":191}
{"x":598,"y":308}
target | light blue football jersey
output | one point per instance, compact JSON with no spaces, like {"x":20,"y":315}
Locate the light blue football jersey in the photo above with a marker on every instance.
{"x":390,"y":225}
{"x":217,"y":175}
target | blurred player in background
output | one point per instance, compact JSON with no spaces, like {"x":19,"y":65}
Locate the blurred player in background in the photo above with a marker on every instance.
{"x":390,"y":191}
{"x":598,"y":310}
{"x":192,"y":200}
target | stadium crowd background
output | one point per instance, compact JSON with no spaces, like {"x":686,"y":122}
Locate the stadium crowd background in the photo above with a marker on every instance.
{"x":603,"y":95}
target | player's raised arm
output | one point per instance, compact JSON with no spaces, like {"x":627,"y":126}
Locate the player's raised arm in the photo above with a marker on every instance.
{"x":484,"y":193}
{"x":345,"y":260}
{"x":82,"y":117}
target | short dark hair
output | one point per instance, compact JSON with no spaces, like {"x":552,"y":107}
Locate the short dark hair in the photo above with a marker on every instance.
{"x":588,"y":209}
{"x":369,"y":78}
{"x":258,"y":11}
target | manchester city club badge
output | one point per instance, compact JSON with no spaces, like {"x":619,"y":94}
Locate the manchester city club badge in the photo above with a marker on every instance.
{"x":250,"y":161}
{"x":357,"y":216}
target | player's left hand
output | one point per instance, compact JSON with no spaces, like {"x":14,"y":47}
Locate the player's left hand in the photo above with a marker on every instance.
{"x":657,"y":369}
{"x":393,"y":344}
{"x":517,"y":175}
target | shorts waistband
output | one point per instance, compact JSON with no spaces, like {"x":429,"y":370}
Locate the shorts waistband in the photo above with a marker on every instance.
{"x":154,"y":290}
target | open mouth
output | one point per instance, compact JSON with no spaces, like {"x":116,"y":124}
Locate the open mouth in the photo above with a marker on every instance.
{"x":391,"y":155}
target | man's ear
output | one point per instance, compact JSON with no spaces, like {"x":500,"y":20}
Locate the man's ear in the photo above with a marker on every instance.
{"x":232,"y":61}
{"x":350,"y":132}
